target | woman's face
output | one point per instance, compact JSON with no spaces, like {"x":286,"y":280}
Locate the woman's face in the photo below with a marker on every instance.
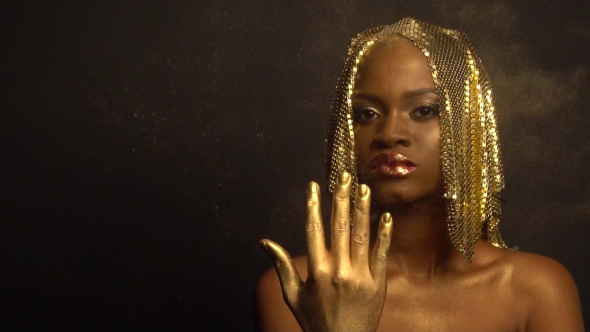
{"x":396,"y":125}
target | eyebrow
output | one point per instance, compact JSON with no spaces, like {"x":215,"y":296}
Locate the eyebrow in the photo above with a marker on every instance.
{"x":406,"y":95}
{"x":418,"y":92}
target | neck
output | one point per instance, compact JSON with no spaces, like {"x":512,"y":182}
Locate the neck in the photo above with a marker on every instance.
{"x":420,"y":244}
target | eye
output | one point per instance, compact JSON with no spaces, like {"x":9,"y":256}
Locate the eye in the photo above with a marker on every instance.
{"x":424,"y":112}
{"x":363,"y":114}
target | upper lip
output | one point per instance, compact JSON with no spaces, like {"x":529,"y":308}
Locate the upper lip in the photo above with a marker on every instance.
{"x":391,"y":159}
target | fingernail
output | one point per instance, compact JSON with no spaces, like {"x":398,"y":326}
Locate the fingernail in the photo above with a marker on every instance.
{"x":363,"y":190}
{"x":387,"y":218}
{"x":264,"y":246}
{"x":312,"y":187}
{"x":344,"y":176}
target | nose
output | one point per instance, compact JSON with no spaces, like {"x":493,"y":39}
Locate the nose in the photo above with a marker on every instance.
{"x":392,"y":132}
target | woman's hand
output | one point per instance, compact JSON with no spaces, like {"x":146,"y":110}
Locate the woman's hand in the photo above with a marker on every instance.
{"x":345,"y":289}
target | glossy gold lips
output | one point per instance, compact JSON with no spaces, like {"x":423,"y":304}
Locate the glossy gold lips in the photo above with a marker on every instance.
{"x":392,"y":164}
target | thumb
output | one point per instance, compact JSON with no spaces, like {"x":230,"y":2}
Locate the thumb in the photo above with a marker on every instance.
{"x":289,"y":277}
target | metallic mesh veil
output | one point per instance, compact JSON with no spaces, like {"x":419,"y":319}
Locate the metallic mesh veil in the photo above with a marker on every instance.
{"x":470,"y":155}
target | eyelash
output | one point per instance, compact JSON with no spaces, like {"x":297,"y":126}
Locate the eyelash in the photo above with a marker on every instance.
{"x":358,"y":112}
{"x":433,"y":108}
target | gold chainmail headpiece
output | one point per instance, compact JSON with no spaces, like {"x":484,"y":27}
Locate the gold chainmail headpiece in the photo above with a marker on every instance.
{"x":470,"y":152}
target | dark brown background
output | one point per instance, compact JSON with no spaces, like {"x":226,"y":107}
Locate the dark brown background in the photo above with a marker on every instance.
{"x":148,"y":145}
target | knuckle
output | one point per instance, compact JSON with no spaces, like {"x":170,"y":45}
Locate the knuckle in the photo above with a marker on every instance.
{"x":313,"y":227}
{"x":384,"y":237}
{"x":359,"y":239}
{"x":340,"y":228}
{"x":362,"y":208}
{"x":381,"y":257}
{"x":322,"y":272}
{"x":340,"y":279}
{"x":342,"y":192}
{"x":360,"y":286}
{"x":318,"y":275}
{"x":341,"y":197}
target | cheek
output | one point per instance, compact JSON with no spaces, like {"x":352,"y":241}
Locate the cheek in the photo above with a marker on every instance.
{"x":435,"y":160}
{"x":435,"y":148}
{"x":427,"y":144}
{"x":432,"y":141}
{"x":362,"y":144}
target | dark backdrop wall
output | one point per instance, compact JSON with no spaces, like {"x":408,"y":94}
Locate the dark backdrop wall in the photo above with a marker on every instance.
{"x":148,"y":145}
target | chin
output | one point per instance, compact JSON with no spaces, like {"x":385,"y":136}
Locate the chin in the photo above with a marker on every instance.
{"x":397,"y":192}
{"x":394,"y":193}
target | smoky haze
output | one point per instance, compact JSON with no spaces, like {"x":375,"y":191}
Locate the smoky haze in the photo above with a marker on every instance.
{"x":150,"y":145}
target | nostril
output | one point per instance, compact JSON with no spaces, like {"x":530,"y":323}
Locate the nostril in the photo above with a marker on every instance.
{"x":403,"y":142}
{"x":378,"y":144}
{"x":381,"y":142}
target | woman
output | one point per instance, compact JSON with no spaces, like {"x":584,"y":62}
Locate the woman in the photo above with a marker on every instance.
{"x":413,"y":121}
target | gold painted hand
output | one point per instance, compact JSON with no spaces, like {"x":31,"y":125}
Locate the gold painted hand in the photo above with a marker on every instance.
{"x":345,"y":289}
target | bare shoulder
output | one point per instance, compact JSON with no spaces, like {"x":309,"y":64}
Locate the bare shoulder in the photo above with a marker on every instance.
{"x":540,"y":276}
{"x":272,"y":313}
{"x":528,"y":272}
{"x":539,"y":288}
{"x":550,"y":293}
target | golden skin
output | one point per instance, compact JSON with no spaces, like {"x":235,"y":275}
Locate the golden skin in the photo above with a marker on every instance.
{"x":427,"y":285}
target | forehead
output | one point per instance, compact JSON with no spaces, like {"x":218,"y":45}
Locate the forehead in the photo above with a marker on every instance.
{"x":398,"y":63}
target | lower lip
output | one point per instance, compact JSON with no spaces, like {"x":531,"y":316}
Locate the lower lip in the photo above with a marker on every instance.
{"x":394,"y":171}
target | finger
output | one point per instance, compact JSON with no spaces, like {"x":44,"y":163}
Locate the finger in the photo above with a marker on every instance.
{"x":379,"y":259}
{"x":288,"y":275}
{"x":316,"y":241}
{"x":340,"y":223}
{"x":359,"y":249}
